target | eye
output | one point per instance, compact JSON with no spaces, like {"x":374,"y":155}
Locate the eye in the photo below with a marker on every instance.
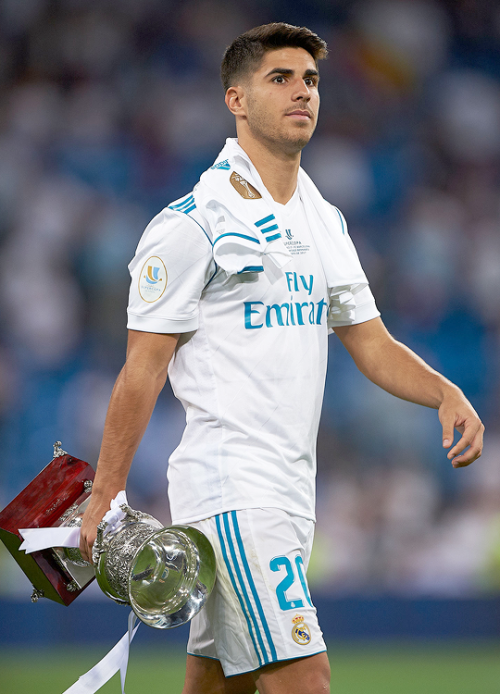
{"x":279,"y":79}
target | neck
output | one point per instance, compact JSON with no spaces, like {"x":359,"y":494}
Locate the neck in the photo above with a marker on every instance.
{"x":277,"y":169}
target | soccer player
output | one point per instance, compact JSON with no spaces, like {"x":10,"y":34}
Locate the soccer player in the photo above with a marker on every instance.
{"x":234,"y":289}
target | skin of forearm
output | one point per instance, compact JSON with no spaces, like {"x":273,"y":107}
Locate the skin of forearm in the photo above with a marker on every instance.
{"x":395,"y":368}
{"x":132,"y":402}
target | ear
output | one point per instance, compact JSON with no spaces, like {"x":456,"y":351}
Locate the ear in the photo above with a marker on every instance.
{"x":235,"y":97}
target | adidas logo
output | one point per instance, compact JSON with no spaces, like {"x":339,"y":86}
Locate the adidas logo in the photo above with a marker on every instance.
{"x":224,"y":165}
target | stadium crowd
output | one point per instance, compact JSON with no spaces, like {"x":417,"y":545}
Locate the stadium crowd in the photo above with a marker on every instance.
{"x":110,"y":109}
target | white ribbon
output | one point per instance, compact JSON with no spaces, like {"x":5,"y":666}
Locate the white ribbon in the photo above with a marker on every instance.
{"x":115,"y":515}
{"x":36,"y":539}
{"x":116,"y":659}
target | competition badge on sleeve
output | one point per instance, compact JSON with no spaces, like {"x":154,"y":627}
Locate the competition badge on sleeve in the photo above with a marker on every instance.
{"x":153,"y":279}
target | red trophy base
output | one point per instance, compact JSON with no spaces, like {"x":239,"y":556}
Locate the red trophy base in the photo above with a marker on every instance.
{"x":46,"y":502}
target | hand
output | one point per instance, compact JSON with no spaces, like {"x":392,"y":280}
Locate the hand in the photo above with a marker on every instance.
{"x":93,"y":515}
{"x":456,"y":412}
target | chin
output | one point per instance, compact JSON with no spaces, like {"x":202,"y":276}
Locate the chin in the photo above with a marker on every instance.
{"x":298,"y":141}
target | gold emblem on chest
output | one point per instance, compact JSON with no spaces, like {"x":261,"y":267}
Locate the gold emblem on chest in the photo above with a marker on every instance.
{"x":244,"y":188}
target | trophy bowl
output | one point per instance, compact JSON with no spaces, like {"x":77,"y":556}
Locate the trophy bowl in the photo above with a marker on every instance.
{"x":172,"y":575}
{"x":165,"y":574}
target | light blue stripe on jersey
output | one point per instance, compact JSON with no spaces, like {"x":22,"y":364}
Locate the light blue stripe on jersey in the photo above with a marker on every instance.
{"x":272,"y":228}
{"x":233,"y":582}
{"x":341,"y":220}
{"x":252,"y":268}
{"x":184,"y":203}
{"x":188,"y":205}
{"x":233,"y":233}
{"x":264,"y":220}
{"x":234,"y":518}
{"x":273,"y":238}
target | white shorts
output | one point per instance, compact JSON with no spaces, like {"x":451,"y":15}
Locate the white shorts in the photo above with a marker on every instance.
{"x":260,"y":610}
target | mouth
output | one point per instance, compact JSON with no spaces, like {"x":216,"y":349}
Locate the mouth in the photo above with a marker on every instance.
{"x":300,"y":114}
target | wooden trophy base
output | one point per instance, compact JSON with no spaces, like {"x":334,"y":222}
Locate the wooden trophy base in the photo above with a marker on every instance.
{"x":48,"y":501}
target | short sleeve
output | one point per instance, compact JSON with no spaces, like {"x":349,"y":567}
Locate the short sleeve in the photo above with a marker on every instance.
{"x":172,"y":265}
{"x":353,"y":302}
{"x":363,"y":309}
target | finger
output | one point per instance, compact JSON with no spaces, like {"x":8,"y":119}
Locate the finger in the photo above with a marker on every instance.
{"x":472,"y":453}
{"x":469,"y":433}
{"x":86,"y":549}
{"x":448,"y":425}
{"x":461,"y":445}
{"x":84,"y":552}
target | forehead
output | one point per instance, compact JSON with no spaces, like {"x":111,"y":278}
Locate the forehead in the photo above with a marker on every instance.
{"x":297,"y":59}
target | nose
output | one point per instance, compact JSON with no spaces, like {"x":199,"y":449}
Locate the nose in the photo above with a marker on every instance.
{"x":302,"y":92}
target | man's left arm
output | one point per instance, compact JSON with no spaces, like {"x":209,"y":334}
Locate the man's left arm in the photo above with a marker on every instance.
{"x":395,"y":368}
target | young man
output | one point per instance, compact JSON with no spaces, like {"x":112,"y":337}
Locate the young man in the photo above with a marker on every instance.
{"x":234,"y":289}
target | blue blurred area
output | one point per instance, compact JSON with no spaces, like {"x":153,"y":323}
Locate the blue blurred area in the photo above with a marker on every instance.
{"x":110,"y":109}
{"x":343,"y":618}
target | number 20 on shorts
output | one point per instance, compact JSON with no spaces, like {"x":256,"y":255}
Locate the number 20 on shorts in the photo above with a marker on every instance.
{"x":277,"y":564}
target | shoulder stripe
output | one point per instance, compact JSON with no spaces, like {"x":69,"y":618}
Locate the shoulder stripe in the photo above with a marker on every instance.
{"x":264,"y":220}
{"x":184,"y":203}
{"x":193,"y":220}
{"x":273,"y":238}
{"x":271,"y":228}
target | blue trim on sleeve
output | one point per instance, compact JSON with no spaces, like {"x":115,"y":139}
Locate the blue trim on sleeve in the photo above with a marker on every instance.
{"x":341,"y":220}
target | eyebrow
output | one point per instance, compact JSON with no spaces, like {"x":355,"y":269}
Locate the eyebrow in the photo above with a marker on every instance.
{"x":288,"y":71}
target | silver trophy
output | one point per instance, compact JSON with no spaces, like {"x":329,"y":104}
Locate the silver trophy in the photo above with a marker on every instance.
{"x":165,"y":574}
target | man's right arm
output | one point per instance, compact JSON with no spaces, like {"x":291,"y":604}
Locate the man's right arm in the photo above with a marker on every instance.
{"x":132,"y":402}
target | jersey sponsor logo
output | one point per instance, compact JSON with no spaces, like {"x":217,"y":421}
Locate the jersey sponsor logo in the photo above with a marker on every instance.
{"x":289,"y":313}
{"x":289,"y":234}
{"x":300,"y":631}
{"x":258,"y":314}
{"x":244,"y":188}
{"x":224,"y":165}
{"x":153,"y":279}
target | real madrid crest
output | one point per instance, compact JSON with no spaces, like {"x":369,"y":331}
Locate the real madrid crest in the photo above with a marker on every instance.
{"x":300,"y":631}
{"x":244,"y":188}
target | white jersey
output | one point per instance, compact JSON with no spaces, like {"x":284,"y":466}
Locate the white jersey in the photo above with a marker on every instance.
{"x":250,"y":366}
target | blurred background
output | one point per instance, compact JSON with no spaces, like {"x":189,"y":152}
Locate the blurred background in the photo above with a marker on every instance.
{"x":111,"y":109}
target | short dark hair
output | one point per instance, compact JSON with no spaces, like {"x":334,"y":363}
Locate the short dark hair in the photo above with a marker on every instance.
{"x":248,"y":49}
